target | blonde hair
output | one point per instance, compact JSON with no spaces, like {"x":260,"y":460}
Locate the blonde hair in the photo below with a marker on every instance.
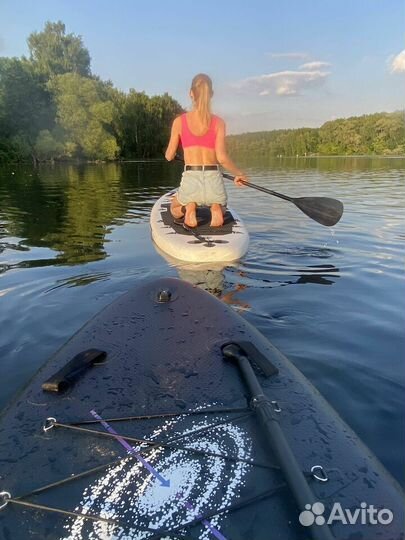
{"x":201,"y":87}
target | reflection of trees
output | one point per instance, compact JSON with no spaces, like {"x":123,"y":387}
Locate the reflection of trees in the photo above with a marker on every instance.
{"x":70,"y":208}
{"x":23,"y":205}
{"x":333,"y":164}
{"x":66,"y":208}
{"x":93,"y":201}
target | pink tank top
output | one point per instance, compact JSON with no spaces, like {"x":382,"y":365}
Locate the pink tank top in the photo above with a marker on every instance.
{"x":189,"y":139}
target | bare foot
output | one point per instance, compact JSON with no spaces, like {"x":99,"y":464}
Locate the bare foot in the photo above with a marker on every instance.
{"x":190,"y":219}
{"x":177,"y":213}
{"x":176,"y":209}
{"x":217,"y":216}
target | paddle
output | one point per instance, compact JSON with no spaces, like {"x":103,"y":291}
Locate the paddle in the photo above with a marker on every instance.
{"x":276,"y":439}
{"x":324,"y":210}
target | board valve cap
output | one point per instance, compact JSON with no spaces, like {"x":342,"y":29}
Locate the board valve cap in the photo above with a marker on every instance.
{"x":164,"y":295}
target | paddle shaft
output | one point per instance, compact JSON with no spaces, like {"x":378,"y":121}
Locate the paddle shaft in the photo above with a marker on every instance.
{"x":276,"y":439}
{"x":259,"y":188}
{"x":323,"y":210}
{"x":250,"y":184}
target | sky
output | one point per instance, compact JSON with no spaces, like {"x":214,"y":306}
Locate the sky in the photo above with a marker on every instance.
{"x":274,"y":64}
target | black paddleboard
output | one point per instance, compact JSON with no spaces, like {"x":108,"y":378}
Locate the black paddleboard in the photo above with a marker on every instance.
{"x":147,"y":424}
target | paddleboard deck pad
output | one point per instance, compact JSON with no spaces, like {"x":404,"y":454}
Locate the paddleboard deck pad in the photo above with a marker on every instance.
{"x":202,"y":243}
{"x":141,"y":429}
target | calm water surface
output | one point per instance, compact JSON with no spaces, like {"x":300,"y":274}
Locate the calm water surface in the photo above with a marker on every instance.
{"x":73,"y":238}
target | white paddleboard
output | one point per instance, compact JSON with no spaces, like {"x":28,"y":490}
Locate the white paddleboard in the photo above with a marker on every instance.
{"x":202,"y":243}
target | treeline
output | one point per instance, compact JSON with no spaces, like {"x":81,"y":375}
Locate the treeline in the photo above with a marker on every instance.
{"x":381,"y":133}
{"x":53,"y":107}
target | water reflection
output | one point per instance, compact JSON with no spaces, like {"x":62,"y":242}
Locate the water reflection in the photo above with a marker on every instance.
{"x":71,"y":209}
{"x":80,"y":280}
{"x":320,"y":274}
{"x":277,"y":274}
{"x":211,"y":277}
{"x":325,"y":163}
{"x":15,"y":247}
{"x":55,"y":221}
{"x":207,"y":276}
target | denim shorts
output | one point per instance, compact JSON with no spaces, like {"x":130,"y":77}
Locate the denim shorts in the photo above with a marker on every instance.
{"x":202,"y":187}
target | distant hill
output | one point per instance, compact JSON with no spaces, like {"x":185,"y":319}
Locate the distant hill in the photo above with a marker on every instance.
{"x":374,"y":134}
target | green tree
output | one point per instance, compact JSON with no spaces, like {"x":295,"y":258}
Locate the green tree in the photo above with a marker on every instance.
{"x":390,"y":134}
{"x":380,"y":133}
{"x":53,"y":52}
{"x":161,"y":110}
{"x":26,"y":106}
{"x":85,"y":112}
{"x":134,"y":121}
{"x":145,"y":122}
{"x":47,"y":146}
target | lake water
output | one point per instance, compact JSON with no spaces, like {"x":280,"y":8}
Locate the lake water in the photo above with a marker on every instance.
{"x":73,"y":238}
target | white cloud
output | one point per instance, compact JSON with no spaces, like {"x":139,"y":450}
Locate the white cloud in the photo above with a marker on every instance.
{"x":314,"y":65}
{"x":282,"y":83}
{"x":291,"y":55}
{"x":398,"y":63}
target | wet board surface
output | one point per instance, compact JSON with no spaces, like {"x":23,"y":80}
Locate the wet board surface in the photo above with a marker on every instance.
{"x":205,"y":471}
{"x":202,"y":243}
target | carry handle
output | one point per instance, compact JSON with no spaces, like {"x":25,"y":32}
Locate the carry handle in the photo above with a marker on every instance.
{"x":65,"y":377}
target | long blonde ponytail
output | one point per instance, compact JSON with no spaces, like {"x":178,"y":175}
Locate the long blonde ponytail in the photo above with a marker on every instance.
{"x":201,"y":87}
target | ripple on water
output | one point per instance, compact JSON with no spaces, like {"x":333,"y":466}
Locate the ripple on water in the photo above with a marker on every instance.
{"x":72,"y":238}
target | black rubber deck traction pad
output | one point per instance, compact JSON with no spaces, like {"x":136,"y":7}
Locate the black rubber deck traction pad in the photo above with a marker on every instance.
{"x":203,"y":218}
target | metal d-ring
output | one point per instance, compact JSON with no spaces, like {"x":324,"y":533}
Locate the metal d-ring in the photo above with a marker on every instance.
{"x":276,"y":406}
{"x":49,"y":424}
{"x":4,"y":498}
{"x":319,"y":473}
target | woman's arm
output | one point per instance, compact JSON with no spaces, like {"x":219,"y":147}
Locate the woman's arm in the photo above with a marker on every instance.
{"x":222,"y":155}
{"x":174,"y":139}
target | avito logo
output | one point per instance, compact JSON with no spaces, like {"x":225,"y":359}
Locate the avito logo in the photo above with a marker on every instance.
{"x":365,"y":515}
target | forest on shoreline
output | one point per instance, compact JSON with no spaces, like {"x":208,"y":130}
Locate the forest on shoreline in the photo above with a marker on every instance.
{"x":371,"y":134}
{"x":52,"y":107}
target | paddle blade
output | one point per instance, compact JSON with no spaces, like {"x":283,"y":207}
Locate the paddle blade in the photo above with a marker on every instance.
{"x":324,"y":210}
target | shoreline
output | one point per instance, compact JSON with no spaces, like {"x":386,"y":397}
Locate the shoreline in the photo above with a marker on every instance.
{"x":158,"y":160}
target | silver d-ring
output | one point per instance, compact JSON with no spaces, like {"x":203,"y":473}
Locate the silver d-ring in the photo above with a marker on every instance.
{"x":49,"y":424}
{"x":319,"y":473}
{"x":4,"y":498}
{"x":276,"y":406}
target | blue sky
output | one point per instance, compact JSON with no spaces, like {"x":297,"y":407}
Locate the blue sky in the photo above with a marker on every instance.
{"x":275,"y":64}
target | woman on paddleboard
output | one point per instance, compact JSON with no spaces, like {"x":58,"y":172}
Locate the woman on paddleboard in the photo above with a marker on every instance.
{"x":202,"y":136}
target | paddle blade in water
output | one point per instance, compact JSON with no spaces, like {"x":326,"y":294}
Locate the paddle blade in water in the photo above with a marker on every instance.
{"x":324,"y":210}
